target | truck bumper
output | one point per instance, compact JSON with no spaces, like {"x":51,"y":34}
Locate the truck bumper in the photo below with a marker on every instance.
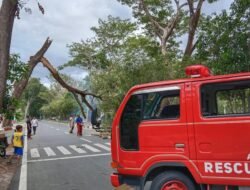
{"x":134,"y":181}
{"x":114,"y":178}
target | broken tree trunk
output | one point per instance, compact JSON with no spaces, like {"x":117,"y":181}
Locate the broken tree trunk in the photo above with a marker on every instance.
{"x":20,"y":85}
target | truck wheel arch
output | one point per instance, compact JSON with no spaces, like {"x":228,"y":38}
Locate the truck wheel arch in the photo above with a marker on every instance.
{"x":158,"y":168}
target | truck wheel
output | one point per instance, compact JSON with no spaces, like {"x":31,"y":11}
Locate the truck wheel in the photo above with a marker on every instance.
{"x":172,"y":180}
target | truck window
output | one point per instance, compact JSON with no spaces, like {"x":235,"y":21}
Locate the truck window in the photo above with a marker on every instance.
{"x":153,"y":105}
{"x":130,"y":121}
{"x":226,"y":99}
{"x":162,"y":105}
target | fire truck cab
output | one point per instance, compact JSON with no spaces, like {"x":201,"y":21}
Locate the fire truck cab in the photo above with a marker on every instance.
{"x":187,"y":134}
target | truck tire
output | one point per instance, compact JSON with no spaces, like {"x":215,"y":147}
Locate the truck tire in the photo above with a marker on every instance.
{"x":172,"y":180}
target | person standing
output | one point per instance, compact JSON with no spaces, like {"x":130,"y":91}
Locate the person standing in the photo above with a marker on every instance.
{"x":34,"y":124}
{"x":18,"y":143}
{"x":71,"y":124}
{"x":79,"y":125}
{"x":29,"y":130}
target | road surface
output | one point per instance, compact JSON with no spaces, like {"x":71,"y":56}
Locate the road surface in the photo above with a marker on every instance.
{"x":57,"y":160}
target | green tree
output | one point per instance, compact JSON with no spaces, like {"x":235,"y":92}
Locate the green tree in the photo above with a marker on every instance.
{"x":118,"y":58}
{"x":167,"y":20}
{"x":32,"y":97}
{"x":60,"y":106}
{"x":16,"y":69}
{"x":224,"y":41}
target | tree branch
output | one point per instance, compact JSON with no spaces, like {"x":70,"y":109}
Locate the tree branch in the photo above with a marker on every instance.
{"x":20,"y":85}
{"x":168,"y":30}
{"x":193,"y":23}
{"x":156,"y":24}
{"x":56,"y":75}
{"x":191,"y":6}
{"x":80,"y":105}
{"x":87,"y":103}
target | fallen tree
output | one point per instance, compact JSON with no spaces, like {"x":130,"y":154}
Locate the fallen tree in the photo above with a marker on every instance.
{"x":21,"y":84}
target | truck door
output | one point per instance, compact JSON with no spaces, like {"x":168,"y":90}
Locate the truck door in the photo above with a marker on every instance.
{"x":222,"y":128}
{"x":154,"y":123}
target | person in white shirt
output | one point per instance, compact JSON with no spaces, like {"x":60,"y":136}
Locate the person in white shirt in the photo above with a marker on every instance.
{"x":34,"y":124}
{"x":71,"y":124}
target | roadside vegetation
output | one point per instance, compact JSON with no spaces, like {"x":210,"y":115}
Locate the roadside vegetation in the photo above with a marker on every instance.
{"x":163,"y":38}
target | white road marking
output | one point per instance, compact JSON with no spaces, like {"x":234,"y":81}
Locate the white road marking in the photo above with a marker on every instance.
{"x":34,"y":153}
{"x":77,"y":149}
{"x":67,"y":133}
{"x":69,"y":157}
{"x":23,"y":174}
{"x":63,"y":150}
{"x":91,"y":148}
{"x":108,"y":143}
{"x":49,"y":151}
{"x":86,"y":140}
{"x":102,"y":146}
{"x":58,"y":129}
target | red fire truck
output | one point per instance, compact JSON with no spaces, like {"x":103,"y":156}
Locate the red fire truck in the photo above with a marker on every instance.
{"x":187,"y":134}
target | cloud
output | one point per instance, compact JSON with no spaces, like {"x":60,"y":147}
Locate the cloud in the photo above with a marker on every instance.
{"x":64,"y":22}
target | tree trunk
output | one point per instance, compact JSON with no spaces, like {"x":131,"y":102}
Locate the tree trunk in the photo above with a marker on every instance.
{"x":7,"y":16}
{"x":193,"y":24}
{"x":27,"y":109}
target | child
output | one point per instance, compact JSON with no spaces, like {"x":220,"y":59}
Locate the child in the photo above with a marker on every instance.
{"x":18,"y":143}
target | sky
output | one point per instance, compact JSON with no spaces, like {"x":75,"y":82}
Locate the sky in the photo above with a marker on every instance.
{"x":66,"y":22}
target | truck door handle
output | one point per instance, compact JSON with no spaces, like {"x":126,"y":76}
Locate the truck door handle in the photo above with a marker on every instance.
{"x":179,"y":145}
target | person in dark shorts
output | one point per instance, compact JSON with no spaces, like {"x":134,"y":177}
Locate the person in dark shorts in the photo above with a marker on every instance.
{"x":29,"y":129}
{"x":71,"y":124}
{"x":18,"y":143}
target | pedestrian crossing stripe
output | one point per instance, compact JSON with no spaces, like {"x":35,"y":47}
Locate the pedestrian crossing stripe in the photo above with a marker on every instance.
{"x":77,"y":149}
{"x":63,"y":150}
{"x":81,"y":149}
{"x":34,"y":153}
{"x":102,"y":146}
{"x":108,"y":143}
{"x":91,"y":148}
{"x":49,"y":151}
{"x":86,"y":140}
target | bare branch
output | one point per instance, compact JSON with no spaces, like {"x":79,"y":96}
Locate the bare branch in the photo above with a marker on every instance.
{"x":194,"y":46}
{"x":20,"y":85}
{"x":198,"y":8}
{"x":87,"y":103}
{"x":183,"y":5}
{"x":56,"y":75}
{"x":80,"y":105}
{"x":193,"y":23}
{"x":191,"y":6}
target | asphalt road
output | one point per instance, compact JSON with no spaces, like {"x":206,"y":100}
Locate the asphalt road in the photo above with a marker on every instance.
{"x":57,"y":160}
